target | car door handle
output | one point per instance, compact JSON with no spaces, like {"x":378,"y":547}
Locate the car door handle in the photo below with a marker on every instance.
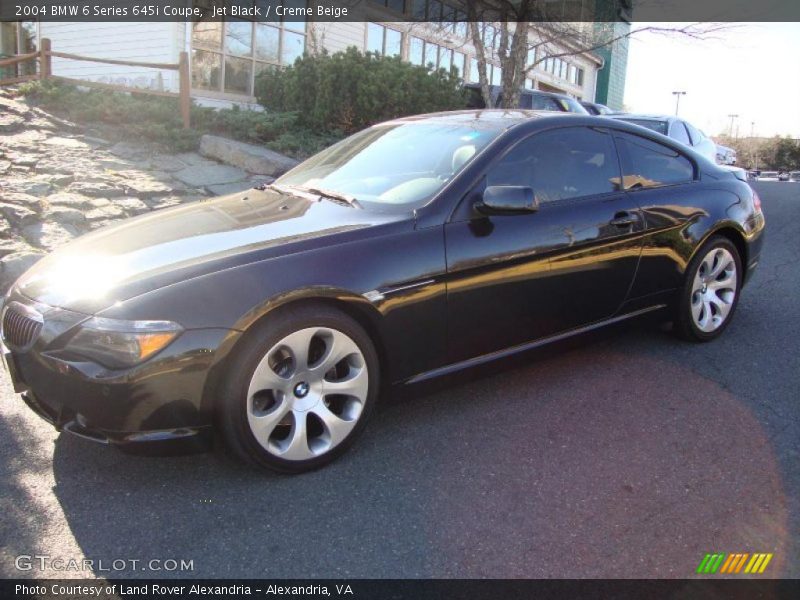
{"x":624,"y":219}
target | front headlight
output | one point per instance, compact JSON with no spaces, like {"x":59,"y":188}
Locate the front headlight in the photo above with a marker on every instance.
{"x":117,"y":344}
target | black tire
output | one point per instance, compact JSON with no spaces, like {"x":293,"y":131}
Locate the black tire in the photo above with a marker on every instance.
{"x":232,"y":402}
{"x":685,"y":326}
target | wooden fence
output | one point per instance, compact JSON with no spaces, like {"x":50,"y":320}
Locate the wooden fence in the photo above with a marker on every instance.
{"x":45,"y":55}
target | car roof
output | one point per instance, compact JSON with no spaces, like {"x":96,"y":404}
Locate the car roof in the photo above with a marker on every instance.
{"x":524,"y":91}
{"x":623,"y":116}
{"x":488,"y":116}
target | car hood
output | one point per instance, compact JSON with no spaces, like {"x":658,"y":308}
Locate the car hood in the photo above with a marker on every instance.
{"x":154,"y":250}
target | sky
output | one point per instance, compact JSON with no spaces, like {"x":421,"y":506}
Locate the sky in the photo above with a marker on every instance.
{"x":750,"y":69}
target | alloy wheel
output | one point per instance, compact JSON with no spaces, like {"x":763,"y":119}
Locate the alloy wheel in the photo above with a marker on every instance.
{"x":307,"y":393}
{"x":714,"y":290}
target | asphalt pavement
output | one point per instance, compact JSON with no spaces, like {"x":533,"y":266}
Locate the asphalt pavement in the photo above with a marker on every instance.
{"x":624,"y":454}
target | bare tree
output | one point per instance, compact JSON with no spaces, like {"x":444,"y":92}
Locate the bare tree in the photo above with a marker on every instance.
{"x":521,"y":34}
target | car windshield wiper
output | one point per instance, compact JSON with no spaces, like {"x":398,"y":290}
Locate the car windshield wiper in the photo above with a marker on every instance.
{"x":333,"y":195}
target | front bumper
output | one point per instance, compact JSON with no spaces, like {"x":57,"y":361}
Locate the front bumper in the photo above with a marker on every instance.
{"x":162,"y":400}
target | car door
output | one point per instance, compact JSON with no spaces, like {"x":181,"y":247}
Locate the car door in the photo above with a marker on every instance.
{"x":519,"y":277}
{"x":661,"y":179}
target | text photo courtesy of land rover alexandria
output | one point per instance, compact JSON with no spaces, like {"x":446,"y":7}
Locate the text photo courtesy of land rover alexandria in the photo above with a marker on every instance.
{"x":412,"y":249}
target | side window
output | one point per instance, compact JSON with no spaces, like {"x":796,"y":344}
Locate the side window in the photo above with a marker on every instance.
{"x":694,"y":133}
{"x":544,"y":103}
{"x":649,"y":164}
{"x":526,"y":101}
{"x":678,"y":132}
{"x":561,"y":164}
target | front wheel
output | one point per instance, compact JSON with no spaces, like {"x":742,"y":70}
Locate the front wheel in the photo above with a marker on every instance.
{"x":710,"y":292}
{"x":300,"y":389}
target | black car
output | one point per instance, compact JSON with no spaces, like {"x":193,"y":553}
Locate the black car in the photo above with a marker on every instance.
{"x":412,"y":249}
{"x":593,"y":108}
{"x":528,"y":99}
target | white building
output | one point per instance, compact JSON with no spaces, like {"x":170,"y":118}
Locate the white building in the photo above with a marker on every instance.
{"x":226,"y":57}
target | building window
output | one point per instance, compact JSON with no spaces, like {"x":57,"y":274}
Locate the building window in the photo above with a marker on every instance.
{"x":228,"y":55}
{"x":460,"y":63}
{"x":580,"y":76}
{"x":474,"y":76}
{"x":421,"y":52}
{"x":491,"y":37}
{"x":383,"y":40}
{"x":416,"y":51}
{"x":496,"y":77}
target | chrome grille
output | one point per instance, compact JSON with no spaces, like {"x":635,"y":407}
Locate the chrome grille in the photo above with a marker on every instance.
{"x":21,"y":326}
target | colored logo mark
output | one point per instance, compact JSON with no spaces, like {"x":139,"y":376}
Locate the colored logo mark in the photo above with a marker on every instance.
{"x":734,"y":563}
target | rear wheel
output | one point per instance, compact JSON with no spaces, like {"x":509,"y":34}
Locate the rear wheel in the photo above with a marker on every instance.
{"x":710,"y":292}
{"x":300,"y":389}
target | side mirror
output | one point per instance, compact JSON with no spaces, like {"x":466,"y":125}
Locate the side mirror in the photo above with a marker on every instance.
{"x":507,"y":199}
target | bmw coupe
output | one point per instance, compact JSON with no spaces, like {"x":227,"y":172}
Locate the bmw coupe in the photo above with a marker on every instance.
{"x":412,"y":249}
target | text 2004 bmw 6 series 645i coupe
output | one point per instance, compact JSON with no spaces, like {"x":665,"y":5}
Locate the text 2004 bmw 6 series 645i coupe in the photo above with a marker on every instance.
{"x":412,"y":249}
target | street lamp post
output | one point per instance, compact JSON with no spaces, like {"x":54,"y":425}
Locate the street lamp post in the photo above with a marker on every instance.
{"x":732,"y":117}
{"x":678,"y":100}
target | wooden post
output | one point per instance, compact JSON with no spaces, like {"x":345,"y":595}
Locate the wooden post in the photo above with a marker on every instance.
{"x":45,"y":60}
{"x":185,"y":85}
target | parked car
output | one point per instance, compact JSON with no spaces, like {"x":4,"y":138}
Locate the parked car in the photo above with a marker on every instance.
{"x":529,"y":99}
{"x":768,"y":176}
{"x":413,"y":249}
{"x":725,"y":155}
{"x":677,"y":129}
{"x":783,"y":176}
{"x":594,"y":108}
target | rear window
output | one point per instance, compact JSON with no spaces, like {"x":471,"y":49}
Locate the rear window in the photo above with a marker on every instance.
{"x":657,"y":126}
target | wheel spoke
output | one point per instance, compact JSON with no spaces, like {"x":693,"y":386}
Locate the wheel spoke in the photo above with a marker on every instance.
{"x":697,"y":307}
{"x":298,"y":344}
{"x":723,"y":307}
{"x":336,"y":428}
{"x":705,"y":320}
{"x":707,"y":265}
{"x":726,"y":283}
{"x":339,"y":347}
{"x":355,"y":384}
{"x":721,"y":261}
{"x":264,"y":378}
{"x":262,"y":426}
{"x":296,"y":446}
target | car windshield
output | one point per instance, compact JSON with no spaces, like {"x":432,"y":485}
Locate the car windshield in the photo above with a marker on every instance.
{"x":396,"y":164}
{"x":657,"y":126}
